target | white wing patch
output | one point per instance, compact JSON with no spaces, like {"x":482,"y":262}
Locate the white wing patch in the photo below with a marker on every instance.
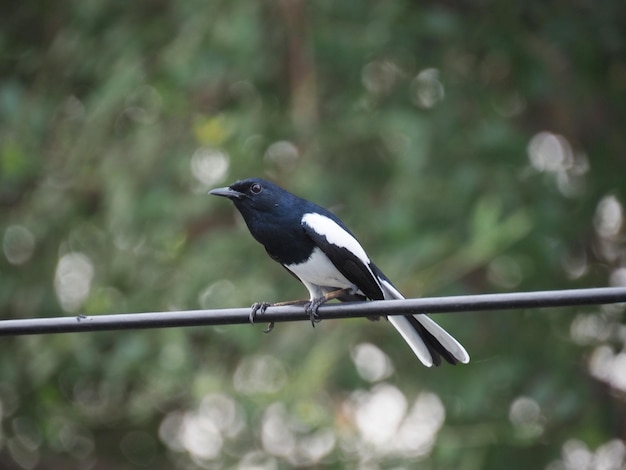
{"x":335,"y":234}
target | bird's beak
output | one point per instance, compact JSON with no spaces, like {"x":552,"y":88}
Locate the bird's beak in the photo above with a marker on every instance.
{"x":227,"y":192}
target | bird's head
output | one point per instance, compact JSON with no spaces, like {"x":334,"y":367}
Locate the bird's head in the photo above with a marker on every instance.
{"x":254,"y":195}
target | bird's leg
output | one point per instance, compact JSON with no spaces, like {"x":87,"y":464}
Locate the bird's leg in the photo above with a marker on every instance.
{"x":290,"y":302}
{"x":312,"y":306}
{"x":262,"y":307}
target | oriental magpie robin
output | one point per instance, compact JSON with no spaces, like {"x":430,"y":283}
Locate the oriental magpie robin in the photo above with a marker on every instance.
{"x":315,"y":246}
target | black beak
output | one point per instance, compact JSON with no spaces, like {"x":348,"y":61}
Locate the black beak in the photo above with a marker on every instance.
{"x":227,"y":192}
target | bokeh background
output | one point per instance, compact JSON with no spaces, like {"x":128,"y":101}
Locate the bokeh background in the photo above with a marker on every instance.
{"x":473,"y":147}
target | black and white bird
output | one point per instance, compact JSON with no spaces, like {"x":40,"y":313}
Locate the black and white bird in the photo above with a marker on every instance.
{"x":314,"y":245}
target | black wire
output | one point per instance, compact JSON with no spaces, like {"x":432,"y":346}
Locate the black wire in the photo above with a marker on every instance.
{"x":463,"y":303}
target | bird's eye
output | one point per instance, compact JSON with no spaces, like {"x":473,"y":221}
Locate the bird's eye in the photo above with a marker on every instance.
{"x":256,"y":188}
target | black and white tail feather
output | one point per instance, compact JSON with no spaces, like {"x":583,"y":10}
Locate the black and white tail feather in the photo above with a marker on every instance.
{"x":427,"y":339}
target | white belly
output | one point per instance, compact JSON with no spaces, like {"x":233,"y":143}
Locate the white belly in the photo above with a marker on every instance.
{"x":320,"y":272}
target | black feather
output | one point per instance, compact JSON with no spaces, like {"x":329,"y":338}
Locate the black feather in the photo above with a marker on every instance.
{"x":347,"y":264}
{"x":436,"y":349}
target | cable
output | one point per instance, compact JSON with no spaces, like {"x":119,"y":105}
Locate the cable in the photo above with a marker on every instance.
{"x":455,"y":304}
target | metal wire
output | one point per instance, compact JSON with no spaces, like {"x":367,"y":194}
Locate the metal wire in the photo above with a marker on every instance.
{"x":455,"y":304}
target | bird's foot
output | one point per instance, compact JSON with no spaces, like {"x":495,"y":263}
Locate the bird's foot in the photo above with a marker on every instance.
{"x":311,"y":309}
{"x":256,"y":308}
{"x":260,"y":307}
{"x":312,"y":306}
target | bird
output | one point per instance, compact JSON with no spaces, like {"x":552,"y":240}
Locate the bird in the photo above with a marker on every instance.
{"x":316,"y":247}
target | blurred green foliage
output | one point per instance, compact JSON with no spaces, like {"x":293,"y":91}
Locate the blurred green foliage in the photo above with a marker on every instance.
{"x":473,"y":147}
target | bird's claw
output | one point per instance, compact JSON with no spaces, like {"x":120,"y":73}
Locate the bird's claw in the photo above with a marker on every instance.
{"x":256,"y":308}
{"x":260,"y":307}
{"x":311,"y":309}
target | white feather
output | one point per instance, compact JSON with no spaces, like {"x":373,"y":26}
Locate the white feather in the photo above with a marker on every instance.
{"x":412,"y":337}
{"x":452,"y":345}
{"x":389,"y":291}
{"x":335,"y":234}
{"x":318,"y":271}
{"x":415,"y":341}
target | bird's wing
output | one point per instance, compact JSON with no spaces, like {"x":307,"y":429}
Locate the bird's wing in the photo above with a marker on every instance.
{"x":344,"y":251}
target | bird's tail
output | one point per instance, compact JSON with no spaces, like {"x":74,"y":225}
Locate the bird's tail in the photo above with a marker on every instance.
{"x":427,"y":339}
